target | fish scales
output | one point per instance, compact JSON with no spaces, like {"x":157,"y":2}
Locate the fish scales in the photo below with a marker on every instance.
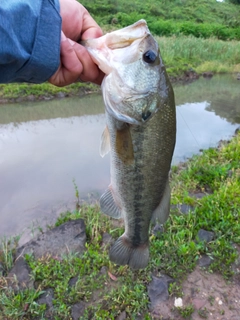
{"x":141,"y":129}
{"x":140,"y":185}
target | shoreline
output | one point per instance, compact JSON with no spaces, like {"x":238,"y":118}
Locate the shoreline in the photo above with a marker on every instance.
{"x":82,"y":89}
{"x":88,"y":88}
{"x":65,"y":93}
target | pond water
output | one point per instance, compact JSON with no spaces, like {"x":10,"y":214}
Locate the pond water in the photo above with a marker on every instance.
{"x":48,"y":147}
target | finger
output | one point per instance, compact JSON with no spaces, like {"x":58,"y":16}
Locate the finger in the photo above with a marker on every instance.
{"x":90,"y":28}
{"x":98,"y":80}
{"x":69,"y":58}
{"x":90,"y":71}
{"x":70,"y":67}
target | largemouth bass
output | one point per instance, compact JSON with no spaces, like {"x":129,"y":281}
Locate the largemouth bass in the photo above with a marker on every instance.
{"x":140,"y":134}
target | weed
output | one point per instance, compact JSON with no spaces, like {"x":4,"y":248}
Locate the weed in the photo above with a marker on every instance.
{"x":186,"y":311}
{"x":35,"y":226}
{"x":64,"y":217}
{"x":21,"y":304}
{"x":222,"y":312}
{"x":211,"y":300}
{"x":76,"y":195}
{"x":7,"y":251}
{"x":175,"y":289}
{"x":203,"y":313}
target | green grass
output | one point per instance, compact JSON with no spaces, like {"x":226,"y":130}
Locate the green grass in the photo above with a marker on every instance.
{"x":23,"y":91}
{"x":182,"y":53}
{"x":204,"y":18}
{"x":162,"y":27}
{"x":7,"y":250}
{"x":175,"y":252}
{"x":202,"y":12}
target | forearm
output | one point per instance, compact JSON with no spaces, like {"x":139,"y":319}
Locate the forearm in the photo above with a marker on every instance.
{"x":30,"y":40}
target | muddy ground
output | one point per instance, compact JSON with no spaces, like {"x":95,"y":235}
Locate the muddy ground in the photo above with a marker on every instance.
{"x":205,"y":295}
{"x":211,"y":296}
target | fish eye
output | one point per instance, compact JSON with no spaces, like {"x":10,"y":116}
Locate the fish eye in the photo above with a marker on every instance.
{"x":149,"y":56}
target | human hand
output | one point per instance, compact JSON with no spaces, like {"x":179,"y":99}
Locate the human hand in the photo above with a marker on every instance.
{"x":77,"y":24}
{"x":75,"y":62}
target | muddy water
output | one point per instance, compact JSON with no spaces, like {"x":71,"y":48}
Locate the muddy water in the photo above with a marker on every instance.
{"x":48,"y":146}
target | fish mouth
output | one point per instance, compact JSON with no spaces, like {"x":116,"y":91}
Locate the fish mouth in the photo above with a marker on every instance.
{"x":126,"y":36}
{"x":121,"y":38}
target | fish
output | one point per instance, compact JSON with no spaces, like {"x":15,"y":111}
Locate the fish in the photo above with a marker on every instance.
{"x":140,"y":135}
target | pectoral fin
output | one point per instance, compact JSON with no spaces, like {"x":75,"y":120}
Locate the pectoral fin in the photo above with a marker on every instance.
{"x":124,"y":146}
{"x":105,"y":142}
{"x":109,"y":206}
{"x":161,"y":213}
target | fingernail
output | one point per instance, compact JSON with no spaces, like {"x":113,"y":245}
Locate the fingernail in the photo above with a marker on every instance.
{"x":71,"y":42}
{"x":63,"y":37}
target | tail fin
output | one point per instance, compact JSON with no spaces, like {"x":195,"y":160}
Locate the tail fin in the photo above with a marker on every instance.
{"x":122,"y":253}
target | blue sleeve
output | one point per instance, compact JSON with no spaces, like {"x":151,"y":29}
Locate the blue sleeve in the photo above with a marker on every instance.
{"x":30,"y":32}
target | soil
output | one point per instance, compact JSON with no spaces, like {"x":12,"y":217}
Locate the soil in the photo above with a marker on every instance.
{"x":209,"y":294}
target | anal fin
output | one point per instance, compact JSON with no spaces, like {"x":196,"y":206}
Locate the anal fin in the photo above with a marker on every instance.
{"x":109,"y":206}
{"x":161,"y":213}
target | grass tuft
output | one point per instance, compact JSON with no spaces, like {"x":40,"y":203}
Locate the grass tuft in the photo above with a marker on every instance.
{"x":7,"y":252}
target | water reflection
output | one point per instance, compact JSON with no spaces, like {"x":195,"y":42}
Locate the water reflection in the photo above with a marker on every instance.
{"x":44,"y":146}
{"x":39,"y":161}
{"x":198,"y":129}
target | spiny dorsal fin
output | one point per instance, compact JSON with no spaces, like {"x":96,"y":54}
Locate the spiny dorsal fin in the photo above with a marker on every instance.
{"x":105,"y":142}
{"x":109,"y":206}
